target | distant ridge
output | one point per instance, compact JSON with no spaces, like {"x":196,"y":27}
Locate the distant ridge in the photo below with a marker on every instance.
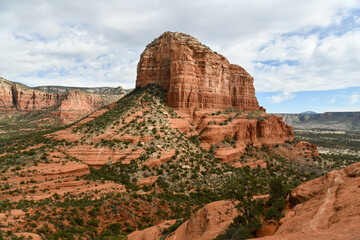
{"x":327,"y":120}
{"x":95,"y":90}
{"x":67,"y":104}
{"x":309,"y":112}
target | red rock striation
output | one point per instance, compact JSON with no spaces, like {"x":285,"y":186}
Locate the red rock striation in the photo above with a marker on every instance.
{"x":69,"y":106}
{"x":14,"y":96}
{"x":195,"y":76}
{"x":200,"y":82}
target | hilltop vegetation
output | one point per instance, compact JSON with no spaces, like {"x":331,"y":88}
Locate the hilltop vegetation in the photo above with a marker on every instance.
{"x":181,"y":176}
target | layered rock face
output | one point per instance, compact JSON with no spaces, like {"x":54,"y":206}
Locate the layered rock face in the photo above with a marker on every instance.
{"x":20,"y":97}
{"x":200,"y":82}
{"x":195,"y":76}
{"x":69,"y":106}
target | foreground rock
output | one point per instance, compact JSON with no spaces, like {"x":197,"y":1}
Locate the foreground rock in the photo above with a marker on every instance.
{"x":324,"y":208}
{"x":205,"y":224}
{"x":151,"y":233}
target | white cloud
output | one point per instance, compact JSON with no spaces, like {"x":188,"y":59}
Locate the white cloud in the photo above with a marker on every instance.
{"x":92,"y":43}
{"x":323,"y":64}
{"x":354,"y":98}
{"x":333,"y":100}
{"x":281,"y":97}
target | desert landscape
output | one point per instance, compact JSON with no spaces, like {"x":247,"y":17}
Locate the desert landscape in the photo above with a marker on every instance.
{"x":188,"y":151}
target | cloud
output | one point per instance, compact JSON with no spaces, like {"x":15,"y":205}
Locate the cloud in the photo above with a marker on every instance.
{"x":333,"y":99}
{"x":323,"y":64}
{"x":354,"y":98}
{"x":287,"y":46}
{"x":281,"y":97}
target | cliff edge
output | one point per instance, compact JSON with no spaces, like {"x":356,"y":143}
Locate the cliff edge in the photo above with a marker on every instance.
{"x":195,"y":76}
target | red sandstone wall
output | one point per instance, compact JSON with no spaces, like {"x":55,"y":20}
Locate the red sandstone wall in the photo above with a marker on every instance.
{"x":195,"y":76}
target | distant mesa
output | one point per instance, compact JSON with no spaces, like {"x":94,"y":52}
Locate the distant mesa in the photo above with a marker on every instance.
{"x":309,"y":112}
{"x":69,"y":104}
{"x":195,"y":76}
{"x":328,"y":120}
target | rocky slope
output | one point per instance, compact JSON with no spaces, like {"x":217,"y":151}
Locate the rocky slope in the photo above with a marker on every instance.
{"x":69,"y":106}
{"x":216,"y":98}
{"x":324,"y":208}
{"x":195,"y":76}
{"x":328,"y":120}
{"x":206,"y":224}
{"x":139,"y":162}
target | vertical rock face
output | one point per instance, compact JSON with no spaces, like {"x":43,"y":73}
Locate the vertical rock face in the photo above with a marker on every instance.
{"x":204,"y":88}
{"x":69,"y":106}
{"x":23,"y":98}
{"x":195,"y":76}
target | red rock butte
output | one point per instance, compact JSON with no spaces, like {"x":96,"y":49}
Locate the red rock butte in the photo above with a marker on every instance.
{"x":195,"y":76}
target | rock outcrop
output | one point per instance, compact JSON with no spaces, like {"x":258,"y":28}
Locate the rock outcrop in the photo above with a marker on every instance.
{"x":206,"y":224}
{"x":15,"y":96}
{"x":195,"y":76}
{"x":324,"y":208}
{"x":200,"y":82}
{"x":151,"y":233}
{"x":69,"y":106}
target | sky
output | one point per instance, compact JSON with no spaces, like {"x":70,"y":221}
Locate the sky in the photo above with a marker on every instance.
{"x":304,"y":55}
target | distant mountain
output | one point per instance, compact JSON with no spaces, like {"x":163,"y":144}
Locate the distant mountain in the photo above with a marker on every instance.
{"x":96,"y":90}
{"x":309,"y":112}
{"x":328,"y":120}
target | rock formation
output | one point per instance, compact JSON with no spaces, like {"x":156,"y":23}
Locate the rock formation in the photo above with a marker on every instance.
{"x":69,"y":106}
{"x":15,"y":96}
{"x":200,"y":82}
{"x":195,"y":76}
{"x":206,"y":224}
{"x":324,"y":208}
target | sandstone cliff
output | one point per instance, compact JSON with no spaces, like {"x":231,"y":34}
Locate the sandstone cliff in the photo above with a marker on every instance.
{"x":69,"y":106}
{"x":200,"y":82}
{"x":15,"y":96}
{"x":195,"y":76}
